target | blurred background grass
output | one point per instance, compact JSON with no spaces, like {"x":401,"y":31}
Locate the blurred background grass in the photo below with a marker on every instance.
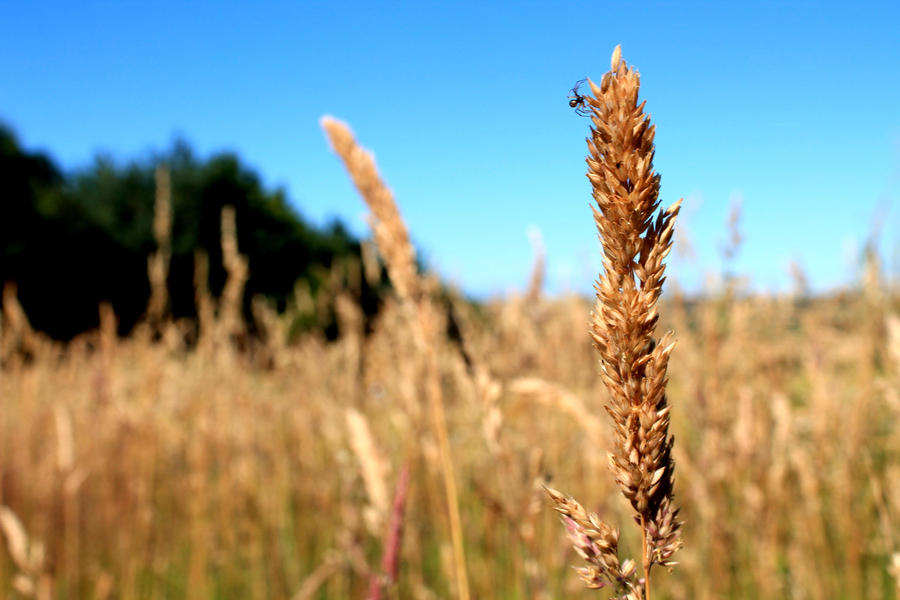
{"x":226,"y":451}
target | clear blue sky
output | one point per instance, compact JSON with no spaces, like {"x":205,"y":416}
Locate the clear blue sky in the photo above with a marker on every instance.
{"x":793,"y":108}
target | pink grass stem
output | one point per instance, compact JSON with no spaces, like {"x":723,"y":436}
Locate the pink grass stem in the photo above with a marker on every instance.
{"x":390,"y":560}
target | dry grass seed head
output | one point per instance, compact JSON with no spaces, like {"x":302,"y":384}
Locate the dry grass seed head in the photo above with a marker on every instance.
{"x":391,"y":235}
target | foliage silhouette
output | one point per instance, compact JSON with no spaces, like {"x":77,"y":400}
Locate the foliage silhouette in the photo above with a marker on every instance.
{"x":72,"y":241}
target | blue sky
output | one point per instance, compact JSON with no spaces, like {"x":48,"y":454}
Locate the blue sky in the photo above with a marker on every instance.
{"x":791,"y":109}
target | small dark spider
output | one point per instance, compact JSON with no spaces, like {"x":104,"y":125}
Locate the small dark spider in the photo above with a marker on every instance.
{"x":577,"y":101}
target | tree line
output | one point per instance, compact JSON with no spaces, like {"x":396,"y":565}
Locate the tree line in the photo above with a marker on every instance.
{"x":73,"y":240}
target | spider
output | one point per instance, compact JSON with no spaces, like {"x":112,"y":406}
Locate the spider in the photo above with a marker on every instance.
{"x":577,"y":101}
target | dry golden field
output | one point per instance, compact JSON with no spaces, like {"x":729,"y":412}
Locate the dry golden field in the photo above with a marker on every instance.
{"x":268,"y":467}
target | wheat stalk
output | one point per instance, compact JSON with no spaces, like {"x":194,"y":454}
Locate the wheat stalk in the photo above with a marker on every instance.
{"x":635,"y":239}
{"x":205,"y":310}
{"x":390,"y":560}
{"x":392,"y":239}
{"x":391,"y":235}
{"x":373,"y":467}
{"x":236,"y":267}
{"x":158,"y":262}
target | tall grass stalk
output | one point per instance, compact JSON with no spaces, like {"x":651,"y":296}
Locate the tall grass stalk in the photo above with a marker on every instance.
{"x":158,"y":262}
{"x":635,"y":239}
{"x":393,"y":243}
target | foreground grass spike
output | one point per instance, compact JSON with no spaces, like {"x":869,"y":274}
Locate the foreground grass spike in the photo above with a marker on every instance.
{"x":636,"y":237}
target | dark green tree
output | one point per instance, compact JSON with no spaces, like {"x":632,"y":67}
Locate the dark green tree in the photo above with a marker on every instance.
{"x":71,"y":242}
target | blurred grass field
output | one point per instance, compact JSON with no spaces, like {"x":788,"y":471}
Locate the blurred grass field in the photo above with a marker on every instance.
{"x":144,"y":467}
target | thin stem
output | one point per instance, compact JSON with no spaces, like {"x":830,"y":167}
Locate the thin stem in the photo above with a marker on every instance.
{"x":439,"y":422}
{"x":646,"y":557}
